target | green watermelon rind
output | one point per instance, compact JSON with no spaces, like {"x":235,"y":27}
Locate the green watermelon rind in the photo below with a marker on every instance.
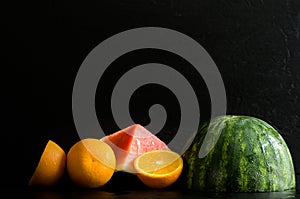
{"x":249,"y":156}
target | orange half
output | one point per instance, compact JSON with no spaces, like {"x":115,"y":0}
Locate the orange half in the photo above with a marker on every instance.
{"x":51,"y":166}
{"x":158,"y":168}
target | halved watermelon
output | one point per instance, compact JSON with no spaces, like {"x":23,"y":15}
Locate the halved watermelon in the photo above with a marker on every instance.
{"x":131,"y":142}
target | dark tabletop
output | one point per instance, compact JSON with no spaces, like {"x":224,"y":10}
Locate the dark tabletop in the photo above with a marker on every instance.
{"x":137,"y":191}
{"x":150,"y":194}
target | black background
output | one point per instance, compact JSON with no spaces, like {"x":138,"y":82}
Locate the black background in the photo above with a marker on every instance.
{"x":254,"y":43}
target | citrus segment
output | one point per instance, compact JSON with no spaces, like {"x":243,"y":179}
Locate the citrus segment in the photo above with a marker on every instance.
{"x":51,"y":166}
{"x":90,"y":163}
{"x":158,"y":168}
{"x":131,"y":142}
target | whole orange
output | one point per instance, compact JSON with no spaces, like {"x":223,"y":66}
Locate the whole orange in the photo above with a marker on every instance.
{"x":91,"y":163}
{"x":51,"y":166}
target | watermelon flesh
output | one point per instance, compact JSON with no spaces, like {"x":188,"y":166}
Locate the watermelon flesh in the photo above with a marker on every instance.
{"x":131,"y":142}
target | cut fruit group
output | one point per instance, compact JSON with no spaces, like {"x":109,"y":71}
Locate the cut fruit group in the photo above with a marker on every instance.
{"x":158,"y":168}
{"x":131,"y":142}
{"x":50,"y":167}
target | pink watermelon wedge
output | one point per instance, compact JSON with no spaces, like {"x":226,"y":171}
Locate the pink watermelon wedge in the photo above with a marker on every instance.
{"x":131,"y":142}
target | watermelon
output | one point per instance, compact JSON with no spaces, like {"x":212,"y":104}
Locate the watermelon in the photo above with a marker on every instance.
{"x":131,"y":142}
{"x":249,"y":155}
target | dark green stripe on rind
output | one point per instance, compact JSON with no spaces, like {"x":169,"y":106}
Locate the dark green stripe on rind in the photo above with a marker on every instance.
{"x":191,"y":158}
{"x":214,"y":176}
{"x":256,"y":169}
{"x":249,"y":156}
